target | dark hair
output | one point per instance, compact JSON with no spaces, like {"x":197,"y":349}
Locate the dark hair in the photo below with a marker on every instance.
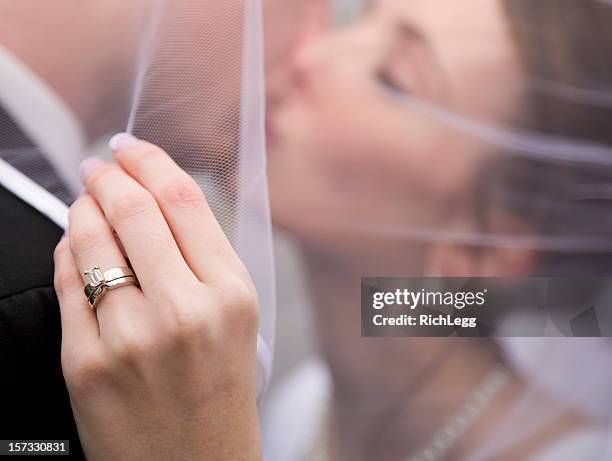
{"x":565,"y":48}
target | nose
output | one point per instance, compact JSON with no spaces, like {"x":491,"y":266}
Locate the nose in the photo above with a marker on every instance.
{"x":340,"y":51}
{"x":289,"y":74}
{"x":309,"y":62}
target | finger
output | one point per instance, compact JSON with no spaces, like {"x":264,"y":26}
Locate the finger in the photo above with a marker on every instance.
{"x":93,"y":244}
{"x":140,"y":225}
{"x":79,"y":323}
{"x":194,"y":226}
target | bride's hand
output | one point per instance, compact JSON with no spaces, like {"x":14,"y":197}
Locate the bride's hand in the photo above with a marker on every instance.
{"x":166,"y":370}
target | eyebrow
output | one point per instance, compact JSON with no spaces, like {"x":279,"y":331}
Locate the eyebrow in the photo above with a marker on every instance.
{"x":409,"y":31}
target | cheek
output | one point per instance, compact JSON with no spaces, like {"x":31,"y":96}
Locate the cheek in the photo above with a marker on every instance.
{"x":342,"y":162}
{"x":434,"y":162}
{"x":452,"y":167}
{"x":321,"y":137}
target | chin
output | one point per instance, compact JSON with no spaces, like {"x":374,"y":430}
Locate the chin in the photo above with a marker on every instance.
{"x":284,"y":218}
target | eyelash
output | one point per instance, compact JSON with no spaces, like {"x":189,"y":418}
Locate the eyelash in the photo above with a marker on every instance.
{"x":385,"y":79}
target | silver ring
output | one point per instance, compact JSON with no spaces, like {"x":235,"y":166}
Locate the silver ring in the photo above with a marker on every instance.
{"x":118,"y":273}
{"x":122,"y":281}
{"x":97,"y":282}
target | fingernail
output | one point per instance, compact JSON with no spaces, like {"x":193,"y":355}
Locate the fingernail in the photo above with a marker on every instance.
{"x":88,"y":166}
{"x":122,"y":141}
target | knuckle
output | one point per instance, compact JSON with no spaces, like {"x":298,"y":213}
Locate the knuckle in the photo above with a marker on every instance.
{"x":86,"y":240}
{"x":241,"y":290}
{"x":132,"y":344}
{"x":131,"y":205}
{"x":240,"y":300}
{"x":60,"y":249}
{"x":188,"y":320}
{"x":182,"y":192}
{"x":189,"y":323}
{"x":130,"y":351}
{"x":103,"y":173}
{"x":84,"y":373}
{"x":67,"y":282}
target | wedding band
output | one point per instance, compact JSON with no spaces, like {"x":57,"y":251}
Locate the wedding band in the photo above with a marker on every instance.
{"x":117,"y":273}
{"x":122,"y":281}
{"x":97,"y":282}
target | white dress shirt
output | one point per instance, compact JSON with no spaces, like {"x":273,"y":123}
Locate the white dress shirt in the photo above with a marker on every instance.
{"x":50,"y":124}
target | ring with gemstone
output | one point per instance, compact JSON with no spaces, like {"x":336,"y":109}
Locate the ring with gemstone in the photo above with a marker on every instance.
{"x":97,"y":282}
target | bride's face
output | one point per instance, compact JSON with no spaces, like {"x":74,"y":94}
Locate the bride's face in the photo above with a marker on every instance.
{"x":343,"y":152}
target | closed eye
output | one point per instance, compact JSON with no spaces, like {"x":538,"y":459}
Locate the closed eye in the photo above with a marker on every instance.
{"x":409,"y":63}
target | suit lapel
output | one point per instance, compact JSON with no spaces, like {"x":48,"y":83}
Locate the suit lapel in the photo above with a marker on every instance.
{"x":20,"y":152}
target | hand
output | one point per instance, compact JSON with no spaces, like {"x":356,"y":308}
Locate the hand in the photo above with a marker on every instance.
{"x":164,"y":371}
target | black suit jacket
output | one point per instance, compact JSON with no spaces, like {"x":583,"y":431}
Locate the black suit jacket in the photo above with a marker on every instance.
{"x":34,"y":402}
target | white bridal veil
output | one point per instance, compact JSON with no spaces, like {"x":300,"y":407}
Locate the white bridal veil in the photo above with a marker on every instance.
{"x":532,"y":179}
{"x":184,"y":74}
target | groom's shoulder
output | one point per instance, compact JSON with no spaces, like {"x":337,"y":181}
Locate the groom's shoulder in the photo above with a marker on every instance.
{"x":27,"y":241}
{"x":29,"y":311}
{"x":33,"y":395}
